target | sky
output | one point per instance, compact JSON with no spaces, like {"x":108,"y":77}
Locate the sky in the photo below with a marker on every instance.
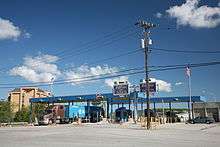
{"x":52,"y":40}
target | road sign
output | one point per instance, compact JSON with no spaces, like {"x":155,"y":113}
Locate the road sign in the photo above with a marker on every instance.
{"x":120,"y":89}
{"x":152,"y":87}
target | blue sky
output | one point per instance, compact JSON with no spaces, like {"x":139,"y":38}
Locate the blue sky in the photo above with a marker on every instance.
{"x":43,"y":29}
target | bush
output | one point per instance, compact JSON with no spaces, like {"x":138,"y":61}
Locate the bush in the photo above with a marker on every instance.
{"x":22,"y":115}
{"x":5,"y":112}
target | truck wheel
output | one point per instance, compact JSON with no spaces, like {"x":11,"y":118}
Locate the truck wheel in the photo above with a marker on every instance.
{"x":58,"y":121}
{"x":50,"y":122}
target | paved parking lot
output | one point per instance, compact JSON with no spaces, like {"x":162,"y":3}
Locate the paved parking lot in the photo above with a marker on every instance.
{"x":172,"y":135}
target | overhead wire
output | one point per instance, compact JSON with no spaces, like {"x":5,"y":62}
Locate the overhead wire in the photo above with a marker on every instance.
{"x":184,"y":51}
{"x":105,"y":40}
{"x":96,"y":46}
{"x":83,"y":80}
{"x":86,"y":48}
{"x":80,"y":78}
{"x":105,"y":36}
{"x":131,"y":72}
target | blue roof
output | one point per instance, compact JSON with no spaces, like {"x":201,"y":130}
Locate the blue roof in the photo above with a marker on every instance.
{"x":113,"y":99}
{"x":70,"y":98}
{"x":175,"y":99}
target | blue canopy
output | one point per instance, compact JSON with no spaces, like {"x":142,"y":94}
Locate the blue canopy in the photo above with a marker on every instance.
{"x":114,"y":99}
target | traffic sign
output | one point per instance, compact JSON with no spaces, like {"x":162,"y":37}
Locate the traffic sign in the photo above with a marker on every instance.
{"x":152,"y":87}
{"x":120,"y":89}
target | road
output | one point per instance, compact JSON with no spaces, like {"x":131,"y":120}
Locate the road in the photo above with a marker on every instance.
{"x":171,"y":135}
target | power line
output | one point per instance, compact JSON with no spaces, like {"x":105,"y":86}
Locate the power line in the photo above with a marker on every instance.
{"x":81,"y":78}
{"x":158,"y":68}
{"x":102,"y":41}
{"x":88,"y":49}
{"x":105,"y":59}
{"x":112,"y":57}
{"x":183,"y":66}
{"x":117,"y":56}
{"x":85,"y":47}
{"x":139,"y":70}
{"x":185,"y":51}
{"x":190,"y":64}
{"x":105,"y":36}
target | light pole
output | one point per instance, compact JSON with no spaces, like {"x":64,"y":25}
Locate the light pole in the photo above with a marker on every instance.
{"x":188,"y":72}
{"x":135,"y":101}
{"x":51,"y":86}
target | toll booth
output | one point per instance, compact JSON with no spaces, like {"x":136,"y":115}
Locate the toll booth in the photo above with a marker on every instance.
{"x":152,"y":113}
{"x":122,"y":114}
{"x":94,"y":113}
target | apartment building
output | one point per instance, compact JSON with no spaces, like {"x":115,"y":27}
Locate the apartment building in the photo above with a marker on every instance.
{"x":19,"y":97}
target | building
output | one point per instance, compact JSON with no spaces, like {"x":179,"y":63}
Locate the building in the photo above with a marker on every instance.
{"x":19,"y":97}
{"x":210,"y":109}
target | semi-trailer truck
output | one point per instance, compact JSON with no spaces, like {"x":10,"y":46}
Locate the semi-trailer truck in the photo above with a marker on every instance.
{"x":70,"y":113}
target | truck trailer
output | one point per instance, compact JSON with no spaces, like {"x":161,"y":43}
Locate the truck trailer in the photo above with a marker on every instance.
{"x":70,"y":113}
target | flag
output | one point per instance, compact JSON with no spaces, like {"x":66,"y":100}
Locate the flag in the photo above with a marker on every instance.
{"x":188,"y":71}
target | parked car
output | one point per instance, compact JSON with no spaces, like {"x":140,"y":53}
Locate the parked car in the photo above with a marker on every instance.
{"x":207,"y":120}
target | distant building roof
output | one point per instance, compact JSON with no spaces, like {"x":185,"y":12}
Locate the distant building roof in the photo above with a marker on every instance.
{"x":16,"y":90}
{"x":19,"y":89}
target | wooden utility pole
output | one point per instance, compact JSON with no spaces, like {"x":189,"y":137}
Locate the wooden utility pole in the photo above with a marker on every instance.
{"x":146,"y":26}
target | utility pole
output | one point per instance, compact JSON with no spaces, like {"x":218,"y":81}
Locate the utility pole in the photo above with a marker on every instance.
{"x":145,"y":44}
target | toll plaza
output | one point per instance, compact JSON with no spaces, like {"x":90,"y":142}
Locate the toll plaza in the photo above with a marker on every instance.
{"x":111,"y":100}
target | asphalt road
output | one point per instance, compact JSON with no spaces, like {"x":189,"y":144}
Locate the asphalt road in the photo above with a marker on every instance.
{"x":170,"y":135}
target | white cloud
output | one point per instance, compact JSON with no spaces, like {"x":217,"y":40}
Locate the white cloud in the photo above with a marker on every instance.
{"x":85,"y":71}
{"x":178,"y":83}
{"x":158,"y":15}
{"x":8,"y":30}
{"x":27,"y":35}
{"x":41,"y":68}
{"x":191,"y":14}
{"x":162,"y":85}
{"x":110,"y":82}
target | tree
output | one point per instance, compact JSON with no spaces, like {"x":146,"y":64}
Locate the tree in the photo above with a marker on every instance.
{"x":22,"y":115}
{"x":38,"y":109}
{"x":6,"y":113}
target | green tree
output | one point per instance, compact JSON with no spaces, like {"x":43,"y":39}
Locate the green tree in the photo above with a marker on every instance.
{"x":6,"y":113}
{"x":38,"y":109}
{"x":22,"y":115}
